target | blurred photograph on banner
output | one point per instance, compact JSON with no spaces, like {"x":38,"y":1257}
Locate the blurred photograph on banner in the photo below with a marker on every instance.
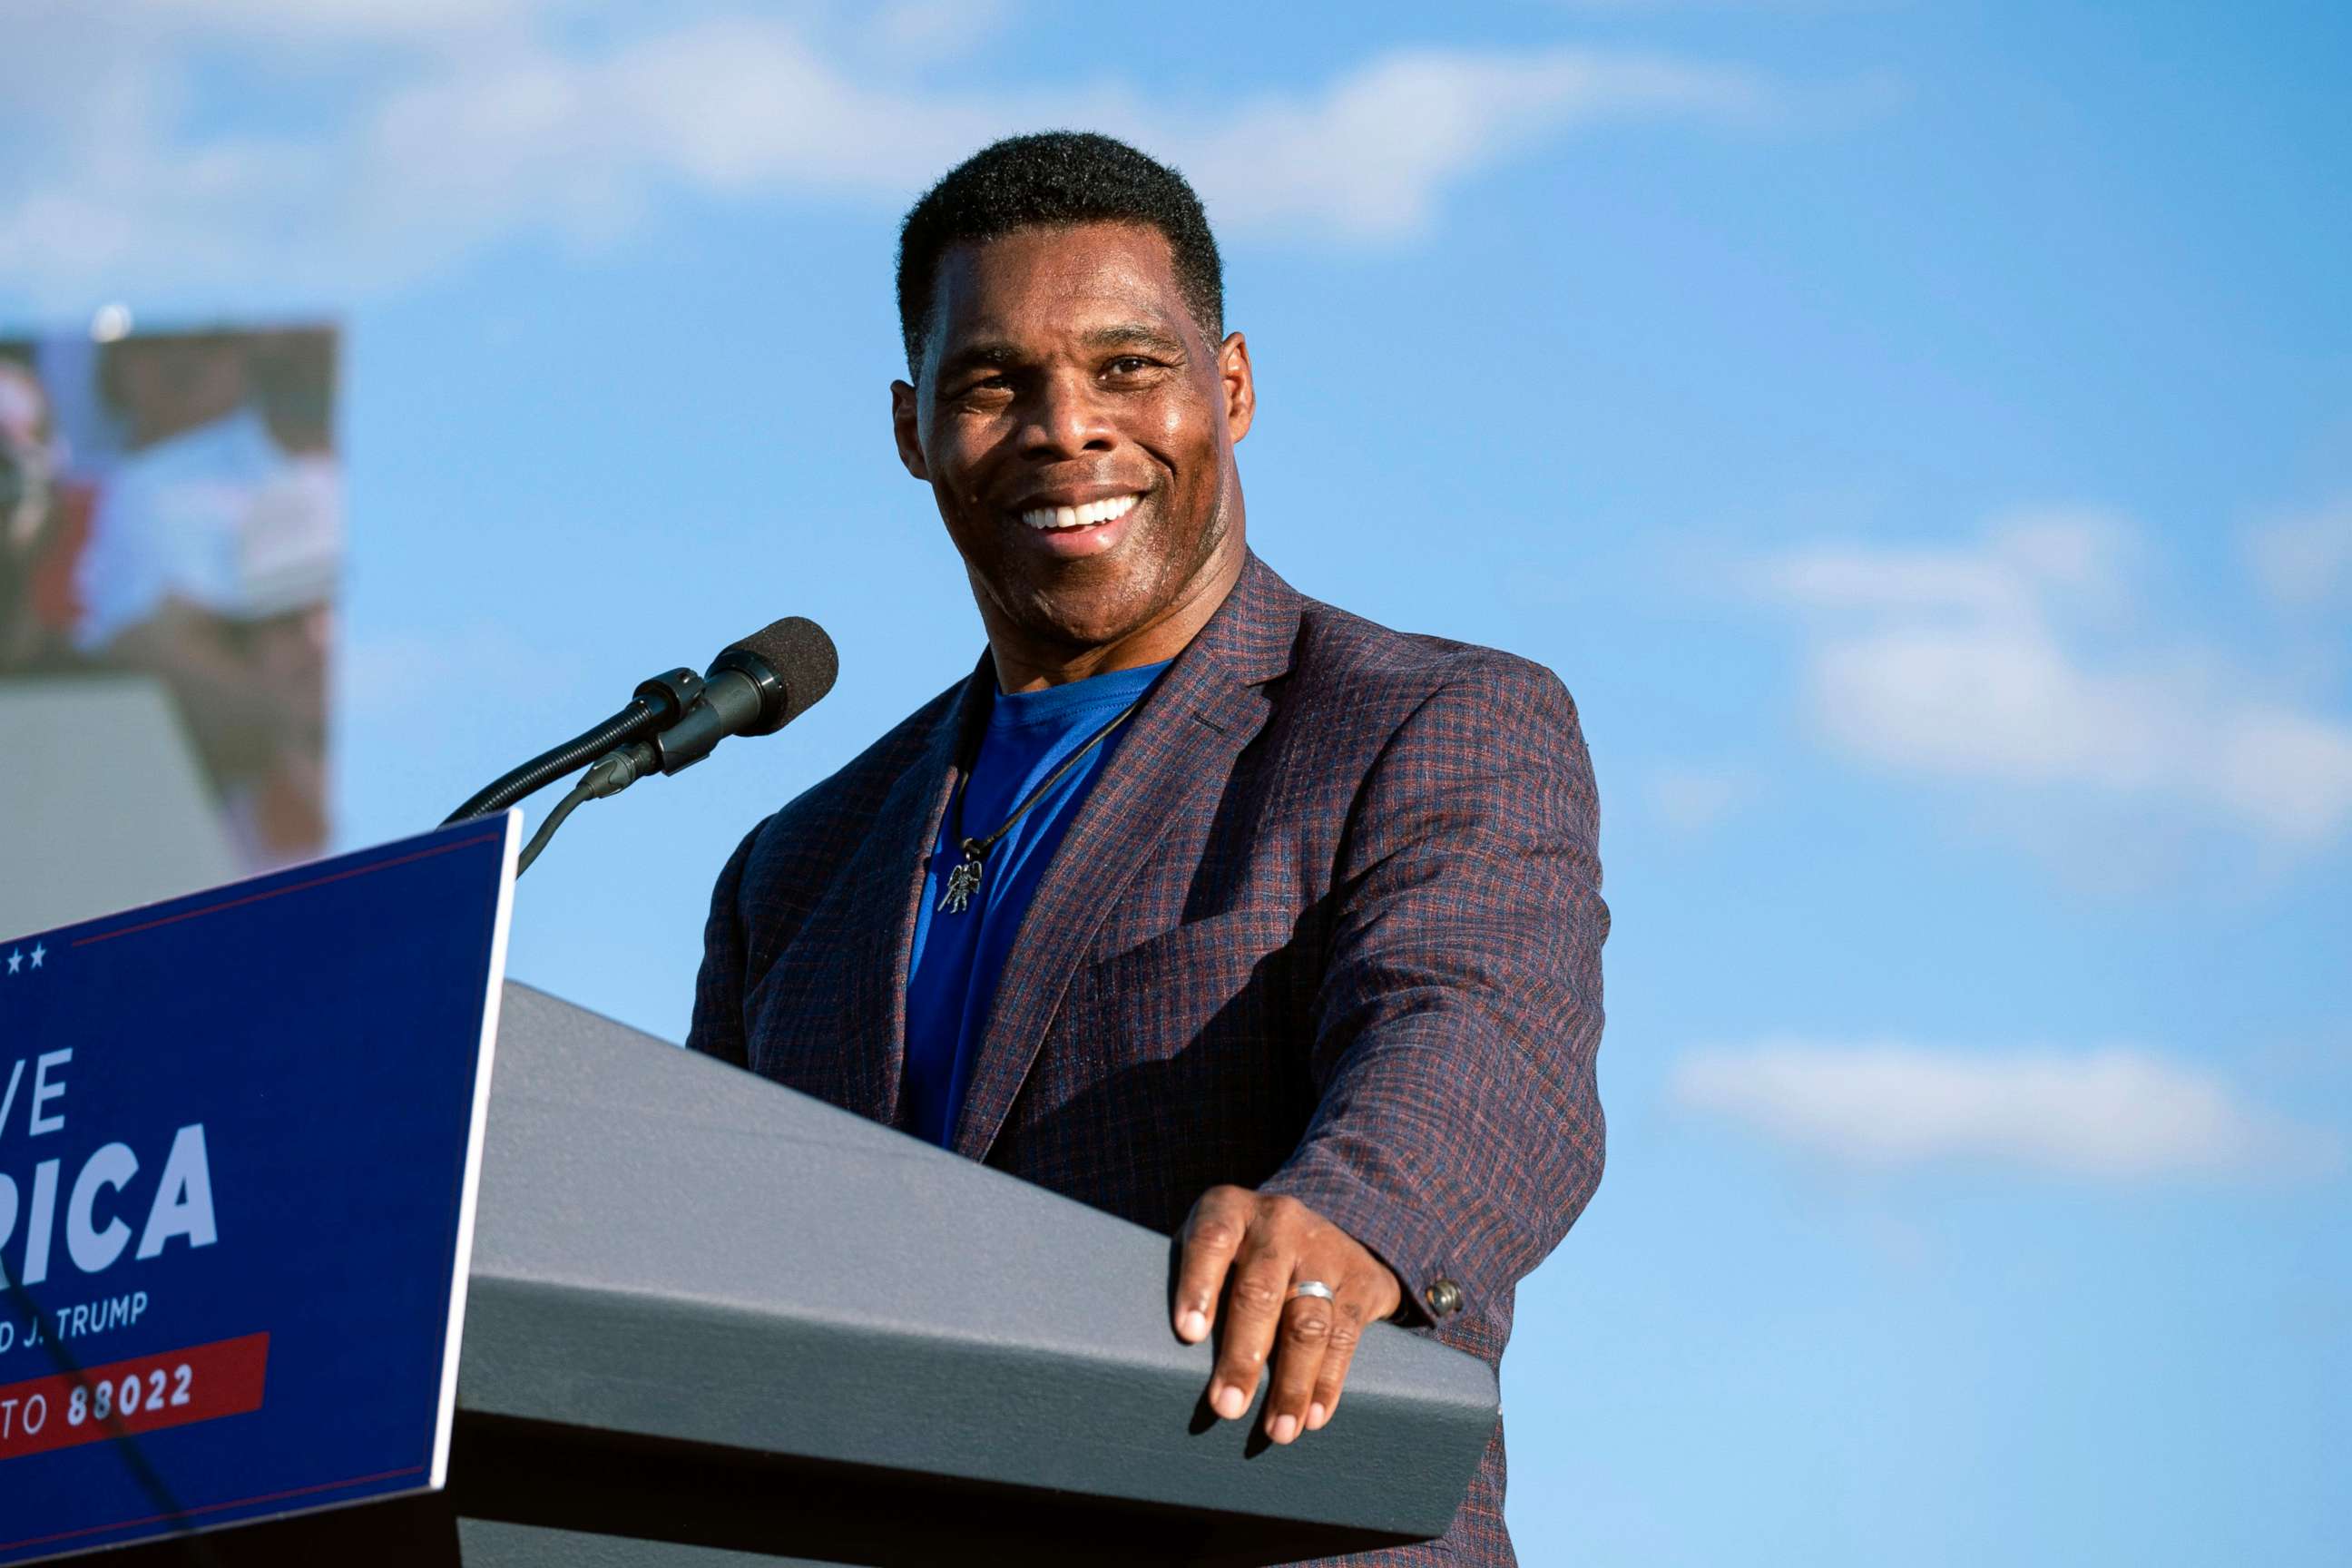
{"x":171,"y":509}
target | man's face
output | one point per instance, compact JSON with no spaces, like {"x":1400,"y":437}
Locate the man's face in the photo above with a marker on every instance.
{"x":1076,"y":429}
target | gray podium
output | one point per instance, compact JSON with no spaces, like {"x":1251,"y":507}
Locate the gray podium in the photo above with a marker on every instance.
{"x":715,"y":1322}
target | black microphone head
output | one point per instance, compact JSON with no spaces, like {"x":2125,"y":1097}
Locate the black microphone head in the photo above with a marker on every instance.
{"x":798,"y":661}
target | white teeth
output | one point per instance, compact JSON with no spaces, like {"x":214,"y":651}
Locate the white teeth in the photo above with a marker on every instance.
{"x":1086,"y":516}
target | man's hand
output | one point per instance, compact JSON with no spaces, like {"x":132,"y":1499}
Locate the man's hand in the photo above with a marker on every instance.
{"x":1252,"y":1249}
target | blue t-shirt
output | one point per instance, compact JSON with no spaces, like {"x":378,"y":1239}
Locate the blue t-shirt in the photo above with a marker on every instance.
{"x":952,"y":975}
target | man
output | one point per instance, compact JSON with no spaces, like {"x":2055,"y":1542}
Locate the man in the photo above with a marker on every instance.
{"x":1199,"y":902}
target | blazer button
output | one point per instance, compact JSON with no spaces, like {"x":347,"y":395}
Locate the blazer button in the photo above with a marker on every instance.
{"x":1443,"y":1296}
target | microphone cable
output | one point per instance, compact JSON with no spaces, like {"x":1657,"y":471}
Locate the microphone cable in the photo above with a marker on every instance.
{"x":571,"y":802}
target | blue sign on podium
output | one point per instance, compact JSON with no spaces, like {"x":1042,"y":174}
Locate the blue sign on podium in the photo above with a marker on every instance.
{"x":240,"y":1137}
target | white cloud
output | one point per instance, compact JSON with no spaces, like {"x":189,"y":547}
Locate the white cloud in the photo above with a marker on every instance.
{"x":1973,"y":662}
{"x":1369,"y":157}
{"x":2024,"y":558}
{"x":1694,"y":800}
{"x":935,"y":29}
{"x":463,"y":124}
{"x":2304,"y":560}
{"x":293,"y":22}
{"x":2120,"y":1114}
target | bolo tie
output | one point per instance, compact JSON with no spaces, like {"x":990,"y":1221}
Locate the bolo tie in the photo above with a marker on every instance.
{"x":963,"y":881}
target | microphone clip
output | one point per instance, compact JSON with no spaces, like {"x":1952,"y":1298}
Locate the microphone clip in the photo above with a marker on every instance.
{"x":669,"y":695}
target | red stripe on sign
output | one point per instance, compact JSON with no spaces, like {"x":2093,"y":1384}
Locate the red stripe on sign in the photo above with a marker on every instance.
{"x":124,"y":1398}
{"x":188,"y":1513}
{"x":296,"y":888}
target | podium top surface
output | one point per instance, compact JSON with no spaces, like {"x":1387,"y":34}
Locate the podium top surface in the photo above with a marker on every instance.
{"x":673,"y":1250}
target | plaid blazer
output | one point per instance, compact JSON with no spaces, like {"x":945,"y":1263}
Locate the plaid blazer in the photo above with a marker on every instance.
{"x":1329,"y":924}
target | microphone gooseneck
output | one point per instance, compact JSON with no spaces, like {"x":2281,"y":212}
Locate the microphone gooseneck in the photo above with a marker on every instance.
{"x":658,"y":702}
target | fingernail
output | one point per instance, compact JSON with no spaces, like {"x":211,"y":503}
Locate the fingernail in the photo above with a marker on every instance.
{"x":1286,"y":1428}
{"x":1229,"y":1402}
{"x":1316,"y":1416}
{"x":1192,"y":1324}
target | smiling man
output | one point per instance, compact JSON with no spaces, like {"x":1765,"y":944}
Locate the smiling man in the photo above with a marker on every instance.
{"x":1197,"y":900}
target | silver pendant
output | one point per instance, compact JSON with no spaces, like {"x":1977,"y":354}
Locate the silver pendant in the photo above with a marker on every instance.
{"x":963,"y":883}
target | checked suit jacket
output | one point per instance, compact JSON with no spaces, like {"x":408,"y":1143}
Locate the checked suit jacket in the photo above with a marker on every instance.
{"x":1329,"y":924}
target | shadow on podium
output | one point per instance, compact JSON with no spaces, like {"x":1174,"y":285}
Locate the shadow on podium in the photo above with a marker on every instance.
{"x":534,"y":1498}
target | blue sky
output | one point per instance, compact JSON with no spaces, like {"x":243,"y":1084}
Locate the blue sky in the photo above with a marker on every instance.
{"x":1920,"y":435}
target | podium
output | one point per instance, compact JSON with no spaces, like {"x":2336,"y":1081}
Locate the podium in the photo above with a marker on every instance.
{"x":713,"y":1322}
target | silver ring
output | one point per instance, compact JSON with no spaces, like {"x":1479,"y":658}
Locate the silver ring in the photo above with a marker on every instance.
{"x":1315,"y":1287}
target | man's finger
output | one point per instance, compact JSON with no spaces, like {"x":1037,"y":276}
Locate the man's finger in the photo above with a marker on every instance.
{"x":1339,"y":1351}
{"x":1212,"y":1233}
{"x":1253,"y":1298}
{"x":1306,"y":1326}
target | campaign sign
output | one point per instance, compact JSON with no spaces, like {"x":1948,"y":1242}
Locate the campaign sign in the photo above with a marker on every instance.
{"x":240,"y":1135}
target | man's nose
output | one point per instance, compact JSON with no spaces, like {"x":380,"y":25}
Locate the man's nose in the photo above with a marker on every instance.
{"x":1066,"y":418}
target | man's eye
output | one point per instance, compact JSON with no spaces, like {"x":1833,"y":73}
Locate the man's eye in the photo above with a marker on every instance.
{"x":1130,"y":365}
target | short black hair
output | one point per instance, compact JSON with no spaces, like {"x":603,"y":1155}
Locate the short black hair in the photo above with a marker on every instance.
{"x":1055,"y":177}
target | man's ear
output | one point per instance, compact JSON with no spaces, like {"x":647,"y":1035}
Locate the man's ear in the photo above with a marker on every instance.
{"x":1240,"y":385}
{"x":903,"y":426}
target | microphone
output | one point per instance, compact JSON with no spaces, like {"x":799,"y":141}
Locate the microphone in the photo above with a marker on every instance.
{"x":755,"y":686}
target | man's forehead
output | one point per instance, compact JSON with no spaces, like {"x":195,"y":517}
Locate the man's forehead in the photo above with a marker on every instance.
{"x":1062,"y":277}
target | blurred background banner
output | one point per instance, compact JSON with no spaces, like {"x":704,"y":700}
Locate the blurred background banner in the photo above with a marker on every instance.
{"x":171,"y":509}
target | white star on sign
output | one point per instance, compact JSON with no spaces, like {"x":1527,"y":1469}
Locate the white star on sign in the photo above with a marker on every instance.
{"x":39,"y":952}
{"x":16,"y":962}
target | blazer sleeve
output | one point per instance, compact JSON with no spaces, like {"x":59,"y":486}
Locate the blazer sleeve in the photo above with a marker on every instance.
{"x":1458,"y":1130}
{"x":717,"y":1026}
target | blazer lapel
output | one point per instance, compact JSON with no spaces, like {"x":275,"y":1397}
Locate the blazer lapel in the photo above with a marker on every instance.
{"x":1180,"y":745}
{"x":877,"y":934}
